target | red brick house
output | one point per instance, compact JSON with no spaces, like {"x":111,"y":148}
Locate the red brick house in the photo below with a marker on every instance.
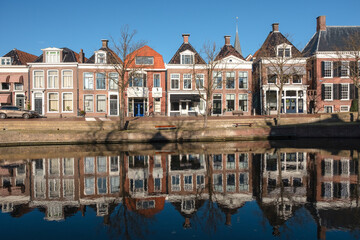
{"x":14,"y":78}
{"x":328,"y":66}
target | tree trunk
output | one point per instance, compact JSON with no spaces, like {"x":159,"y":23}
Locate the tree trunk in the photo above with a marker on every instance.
{"x":206,"y":113}
{"x":358,"y":103}
{"x":122,"y":110}
{"x":278,"y":116}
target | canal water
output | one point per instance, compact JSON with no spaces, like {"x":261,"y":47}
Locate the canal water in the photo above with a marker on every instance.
{"x":248,"y":190}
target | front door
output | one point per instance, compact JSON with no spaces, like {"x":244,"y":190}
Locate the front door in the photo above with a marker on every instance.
{"x":138,"y":109}
{"x":20,"y":101}
{"x":217,"y":106}
{"x":290,"y":105}
{"x":113,"y":105}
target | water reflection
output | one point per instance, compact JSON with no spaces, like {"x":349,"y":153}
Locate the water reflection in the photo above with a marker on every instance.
{"x":207,"y":184}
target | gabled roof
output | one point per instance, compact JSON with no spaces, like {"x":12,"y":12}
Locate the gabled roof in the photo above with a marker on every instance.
{"x":186,"y":46}
{"x":112,"y":57}
{"x":274,"y":39}
{"x":19,"y":57}
{"x":147,"y":51}
{"x":68,"y":55}
{"x":226,"y":51}
{"x":334,"y":38}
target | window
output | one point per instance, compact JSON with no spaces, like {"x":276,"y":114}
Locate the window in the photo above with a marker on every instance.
{"x":243,"y":182}
{"x":67,"y":79}
{"x":145,"y":204}
{"x":243,"y":102}
{"x":327,"y":69}
{"x":200,"y":81}
{"x":113,"y":81}
{"x":101,"y":164}
{"x":187,"y":59}
{"x":230,"y":161}
{"x":53,"y":81}
{"x":230,"y":183}
{"x":243,"y":80}
{"x":54,"y":188}
{"x":68,"y":166}
{"x":114,"y":164}
{"x":200,"y":180}
{"x":230,"y":80}
{"x":344,"y":108}
{"x":175,"y":106}
{"x":5,"y":61}
{"x":88,"y":103}
{"x":156,"y":80}
{"x":100,"y":103}
{"x":344,"y":69}
{"x":344,"y":91}
{"x":217,"y":77}
{"x":284,"y":52}
{"x":175,"y":183}
{"x":88,"y":81}
{"x":272,"y":78}
{"x":89,"y":165}
{"x":100,"y":81}
{"x":52,"y":56}
{"x":328,"y":93}
{"x":230,"y":102}
{"x":243,"y":160}
{"x":218,"y":185}
{"x":175,"y":79}
{"x":39,"y":167}
{"x":137,"y":80}
{"x":5,"y":86}
{"x":144,"y":60}
{"x":18,"y":86}
{"x":68,"y":187}
{"x":187,"y":81}
{"x":53,"y":103}
{"x":217,"y":161}
{"x":100,"y":58}
{"x":89,"y":186}
{"x":328,"y":109}
{"x":114,"y":184}
{"x":38,"y":79}
{"x":54,"y":167}
{"x":67,"y":102}
{"x":297,"y":78}
{"x":157,"y":105}
{"x":188,"y":185}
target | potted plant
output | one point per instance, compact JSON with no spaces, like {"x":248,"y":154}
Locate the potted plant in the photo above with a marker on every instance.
{"x":82,"y":113}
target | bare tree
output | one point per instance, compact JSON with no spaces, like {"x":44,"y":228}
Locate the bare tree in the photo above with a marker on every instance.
{"x":126,"y":49}
{"x":351,"y":63}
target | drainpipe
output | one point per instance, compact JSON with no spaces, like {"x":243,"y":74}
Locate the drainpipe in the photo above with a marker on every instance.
{"x":28,"y":97}
{"x":166,"y":94}
{"x":77,"y":89}
{"x":260,"y":89}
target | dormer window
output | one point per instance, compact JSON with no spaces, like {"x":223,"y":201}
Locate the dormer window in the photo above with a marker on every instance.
{"x":100,"y":57}
{"x":144,"y":60}
{"x":187,"y":57}
{"x":53,"y":56}
{"x":284,"y":50}
{"x":5,"y":61}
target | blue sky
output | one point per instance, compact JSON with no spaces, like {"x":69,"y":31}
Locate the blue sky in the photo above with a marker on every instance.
{"x":33,"y":25}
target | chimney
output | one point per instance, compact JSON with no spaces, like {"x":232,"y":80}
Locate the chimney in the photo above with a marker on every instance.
{"x":81,"y":56}
{"x":186,"y":37}
{"x":321,"y":23}
{"x":227,"y":40}
{"x":228,"y":219}
{"x":275,"y":27}
{"x":104,"y":43}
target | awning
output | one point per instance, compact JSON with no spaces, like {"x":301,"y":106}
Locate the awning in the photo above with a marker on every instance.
{"x":182,"y":97}
{"x":5,"y":98}
{"x":293,"y":70}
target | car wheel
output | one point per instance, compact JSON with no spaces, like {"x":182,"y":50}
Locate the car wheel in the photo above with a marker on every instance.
{"x":26,"y":116}
{"x":2,"y":115}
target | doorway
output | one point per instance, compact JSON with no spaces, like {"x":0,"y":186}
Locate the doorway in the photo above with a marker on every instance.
{"x":113,"y":105}
{"x":290,"y":105}
{"x":20,"y":101}
{"x":138,"y":108}
{"x":38,"y":103}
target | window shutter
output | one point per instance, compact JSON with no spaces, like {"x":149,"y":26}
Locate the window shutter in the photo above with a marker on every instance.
{"x":322,"y":69}
{"x":322,"y":91}
{"x":352,"y":91}
{"x":322,"y":168}
{"x":353,"y":68}
{"x":336,"y":91}
{"x":336,"y":69}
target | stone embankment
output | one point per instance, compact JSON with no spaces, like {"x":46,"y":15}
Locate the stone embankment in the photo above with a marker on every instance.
{"x":78,"y":131}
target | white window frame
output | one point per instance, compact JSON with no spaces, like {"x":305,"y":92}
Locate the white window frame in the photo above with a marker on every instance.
{"x":43,"y":79}
{"x":332,"y":91}
{"x":300,"y":76}
{"x":137,"y":57}
{"x":201,"y":78}
{"x":97,"y":57}
{"x":48,"y":78}
{"x":332,"y":108}
{"x":93,"y":103}
{"x":187,"y":79}
{"x":345,"y":64}
{"x":62,"y":79}
{"x":187,"y":53}
{"x":22,"y":87}
{"x":7,"y":90}
{"x":7,"y":61}
{"x":345,"y":106}
{"x":188,"y":186}
{"x":216,"y":75}
{"x":73,"y":166}
{"x":55,"y":59}
{"x":226,"y":77}
{"x":93,"y":80}
{"x":285,"y":47}
{"x":331,"y":69}
{"x":110,"y":79}
{"x":97,"y":103}
{"x":177,"y":187}
{"x":48,"y":102}
{"x":175,"y":76}
{"x":348,"y":91}
{"x":247,"y":79}
{"x":59,"y":165}
{"x":247,"y":101}
{"x":226,"y":183}
{"x":158,"y":74}
{"x":62,"y":102}
{"x":96,"y":78}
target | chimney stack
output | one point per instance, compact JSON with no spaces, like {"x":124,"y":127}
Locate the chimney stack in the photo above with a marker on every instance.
{"x":104,"y":43}
{"x":227,"y":40}
{"x":275,"y":27}
{"x":321,"y":23}
{"x":186,"y":37}
{"x":81,"y":56}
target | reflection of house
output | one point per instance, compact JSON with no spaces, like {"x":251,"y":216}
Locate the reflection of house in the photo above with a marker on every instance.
{"x":14,"y":78}
{"x":330,"y":65}
{"x":279,"y":57}
{"x":335,"y":193}
{"x":283,"y":185}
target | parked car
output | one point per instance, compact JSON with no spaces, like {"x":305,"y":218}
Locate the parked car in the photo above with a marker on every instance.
{"x":13,"y":111}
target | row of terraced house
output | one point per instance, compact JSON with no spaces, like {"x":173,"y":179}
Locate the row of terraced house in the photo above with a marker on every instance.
{"x":64,"y":83}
